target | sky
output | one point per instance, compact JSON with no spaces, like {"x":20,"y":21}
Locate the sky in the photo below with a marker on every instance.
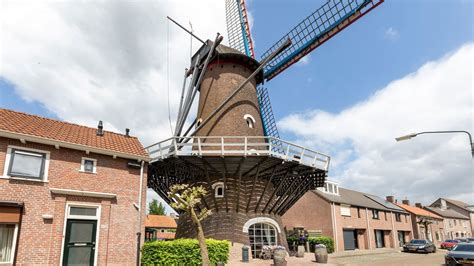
{"x":405,"y":67}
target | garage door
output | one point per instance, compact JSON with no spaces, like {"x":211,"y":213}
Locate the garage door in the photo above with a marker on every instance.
{"x":349,"y":239}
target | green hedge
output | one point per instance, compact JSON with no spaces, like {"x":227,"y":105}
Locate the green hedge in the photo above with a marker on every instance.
{"x":183,"y":252}
{"x":325,"y":240}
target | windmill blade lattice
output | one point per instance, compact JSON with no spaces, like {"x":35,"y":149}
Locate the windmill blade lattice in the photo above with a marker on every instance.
{"x":238,"y":27}
{"x":321,"y":25}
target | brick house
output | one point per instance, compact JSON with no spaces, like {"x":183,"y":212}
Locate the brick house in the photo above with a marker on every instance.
{"x":69,"y":194}
{"x":457,"y":206}
{"x":354,"y":220}
{"x":160,"y":227}
{"x":426,"y":225}
{"x":456,"y":225}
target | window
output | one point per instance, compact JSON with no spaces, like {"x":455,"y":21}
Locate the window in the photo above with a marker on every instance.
{"x":345,"y":211}
{"x":7,"y":242}
{"x":358,"y":212}
{"x":88,"y":165}
{"x":398,"y":217}
{"x":375,"y":214}
{"x":385,"y":214}
{"x":454,"y":222}
{"x":218,"y":189}
{"x":26,"y":163}
{"x":250,"y":120}
{"x":261,"y":234}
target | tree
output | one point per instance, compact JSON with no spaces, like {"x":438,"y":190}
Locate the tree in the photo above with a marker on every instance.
{"x":187,"y":198}
{"x":156,"y":208}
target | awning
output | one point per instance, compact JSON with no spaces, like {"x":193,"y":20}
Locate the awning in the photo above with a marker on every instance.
{"x":10,"y":211}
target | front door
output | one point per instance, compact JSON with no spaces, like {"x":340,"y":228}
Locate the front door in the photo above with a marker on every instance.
{"x":379,"y":241}
{"x":350,"y":239}
{"x":79,"y":244}
{"x":401,"y":238}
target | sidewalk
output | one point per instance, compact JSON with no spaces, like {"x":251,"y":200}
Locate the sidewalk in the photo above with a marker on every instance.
{"x":363,"y":252}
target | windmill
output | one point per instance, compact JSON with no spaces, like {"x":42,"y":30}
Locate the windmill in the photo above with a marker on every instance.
{"x":232,"y":147}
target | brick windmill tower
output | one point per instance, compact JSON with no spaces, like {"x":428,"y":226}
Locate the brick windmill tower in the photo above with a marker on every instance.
{"x":232,"y":147}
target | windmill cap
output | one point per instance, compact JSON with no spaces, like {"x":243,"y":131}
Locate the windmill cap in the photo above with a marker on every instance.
{"x":223,"y":52}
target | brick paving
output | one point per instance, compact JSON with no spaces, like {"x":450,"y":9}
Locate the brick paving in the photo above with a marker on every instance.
{"x":386,"y":257}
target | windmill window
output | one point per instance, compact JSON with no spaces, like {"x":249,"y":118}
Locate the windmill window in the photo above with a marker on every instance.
{"x":218,"y":189}
{"x":250,"y":120}
{"x":199,"y":122}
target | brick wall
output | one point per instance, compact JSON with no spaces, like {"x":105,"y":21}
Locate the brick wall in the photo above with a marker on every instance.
{"x":40,"y":240}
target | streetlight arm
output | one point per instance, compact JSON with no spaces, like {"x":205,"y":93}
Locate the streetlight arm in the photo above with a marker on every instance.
{"x":406,"y":137}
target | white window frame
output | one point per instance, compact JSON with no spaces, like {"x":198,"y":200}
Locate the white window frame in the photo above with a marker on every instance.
{"x":94,"y":168}
{"x":345,"y":210}
{"x":15,"y":238}
{"x":250,"y":120}
{"x":8,"y":161}
{"x":217,"y":185}
{"x":82,"y":217}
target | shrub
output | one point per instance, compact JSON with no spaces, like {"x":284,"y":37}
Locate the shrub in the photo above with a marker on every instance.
{"x":325,"y":240}
{"x":183,"y":252}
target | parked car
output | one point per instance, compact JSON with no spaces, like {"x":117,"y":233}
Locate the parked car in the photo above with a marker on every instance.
{"x":462,"y":240}
{"x":419,"y":245}
{"x":461,"y":254}
{"x":449,"y":244}
{"x":470,"y":239}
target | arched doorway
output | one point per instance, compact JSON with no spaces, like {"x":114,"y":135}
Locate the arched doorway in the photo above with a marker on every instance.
{"x":261,"y":234}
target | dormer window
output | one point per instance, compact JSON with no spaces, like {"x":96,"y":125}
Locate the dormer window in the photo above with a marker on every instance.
{"x":330,"y":187}
{"x":218,"y":189}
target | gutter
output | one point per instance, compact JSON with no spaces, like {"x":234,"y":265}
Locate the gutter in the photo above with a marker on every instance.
{"x":70,"y":145}
{"x":368,"y":227}
{"x":139,"y":231}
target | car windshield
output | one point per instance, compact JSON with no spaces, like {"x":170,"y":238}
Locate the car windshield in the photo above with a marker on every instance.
{"x":462,"y":247}
{"x":418,"y":241}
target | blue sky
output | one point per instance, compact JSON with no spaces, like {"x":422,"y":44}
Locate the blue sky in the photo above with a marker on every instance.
{"x":404,"y":67}
{"x":362,"y":58}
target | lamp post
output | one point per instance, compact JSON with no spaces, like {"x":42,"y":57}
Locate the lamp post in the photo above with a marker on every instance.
{"x":410,"y":136}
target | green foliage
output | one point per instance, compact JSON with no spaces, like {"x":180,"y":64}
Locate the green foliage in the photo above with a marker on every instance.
{"x":325,"y":240}
{"x":183,"y":252}
{"x":156,"y":208}
{"x":292,"y":239}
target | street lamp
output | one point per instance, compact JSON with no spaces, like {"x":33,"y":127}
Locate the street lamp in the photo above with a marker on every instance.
{"x":410,"y":136}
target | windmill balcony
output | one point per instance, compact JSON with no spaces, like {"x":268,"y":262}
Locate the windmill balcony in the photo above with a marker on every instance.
{"x":237,"y":146}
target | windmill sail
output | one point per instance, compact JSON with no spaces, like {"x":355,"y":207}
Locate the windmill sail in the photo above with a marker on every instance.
{"x":238,"y":27}
{"x":321,"y":25}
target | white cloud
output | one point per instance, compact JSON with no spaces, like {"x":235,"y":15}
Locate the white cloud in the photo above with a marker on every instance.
{"x":365,"y":156}
{"x":104,"y":60}
{"x":304,"y":61}
{"x":392,"y":34}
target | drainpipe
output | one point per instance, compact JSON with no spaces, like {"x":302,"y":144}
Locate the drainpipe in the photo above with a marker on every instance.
{"x":368,"y":227}
{"x":334,"y":226}
{"x":139,"y":231}
{"x":393,"y":231}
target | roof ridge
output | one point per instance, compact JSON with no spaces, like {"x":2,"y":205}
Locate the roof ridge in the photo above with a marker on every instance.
{"x":62,"y":121}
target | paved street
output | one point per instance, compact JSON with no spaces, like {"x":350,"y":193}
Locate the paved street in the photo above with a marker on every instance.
{"x":386,"y":257}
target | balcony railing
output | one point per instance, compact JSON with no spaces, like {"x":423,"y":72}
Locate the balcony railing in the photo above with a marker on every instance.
{"x":237,"y":146}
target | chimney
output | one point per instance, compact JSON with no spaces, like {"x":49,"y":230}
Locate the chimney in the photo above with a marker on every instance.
{"x":418,"y":205}
{"x":406,"y":202}
{"x":127,"y":132}
{"x":100,"y":129}
{"x":390,"y":199}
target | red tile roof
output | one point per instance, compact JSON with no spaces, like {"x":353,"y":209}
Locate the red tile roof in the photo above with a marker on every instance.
{"x":59,"y":131}
{"x":166,"y":235}
{"x":419,"y":211}
{"x":160,"y":221}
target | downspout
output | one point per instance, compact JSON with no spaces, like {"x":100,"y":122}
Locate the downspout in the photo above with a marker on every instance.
{"x":368,"y":228}
{"x":139,"y":231}
{"x":393,"y":231}
{"x":334,"y":225}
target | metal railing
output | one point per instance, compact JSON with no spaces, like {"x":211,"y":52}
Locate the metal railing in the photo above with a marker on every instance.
{"x":237,"y":146}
